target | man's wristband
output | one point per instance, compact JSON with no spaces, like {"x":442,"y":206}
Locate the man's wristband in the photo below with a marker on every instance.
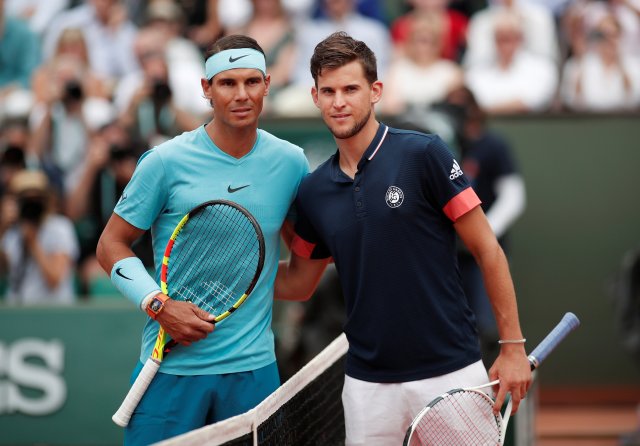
{"x":512,"y":341}
{"x":131,"y":278}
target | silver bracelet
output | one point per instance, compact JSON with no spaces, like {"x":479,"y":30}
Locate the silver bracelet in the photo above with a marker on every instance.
{"x":512,"y":341}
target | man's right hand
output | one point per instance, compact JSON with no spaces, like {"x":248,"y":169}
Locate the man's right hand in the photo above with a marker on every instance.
{"x":185,"y":322}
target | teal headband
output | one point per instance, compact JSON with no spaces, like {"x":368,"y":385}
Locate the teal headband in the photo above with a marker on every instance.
{"x":235,"y":58}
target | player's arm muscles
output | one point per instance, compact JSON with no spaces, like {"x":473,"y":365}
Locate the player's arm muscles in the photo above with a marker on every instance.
{"x":115,"y":242}
{"x":298,"y":277}
{"x":512,"y":366}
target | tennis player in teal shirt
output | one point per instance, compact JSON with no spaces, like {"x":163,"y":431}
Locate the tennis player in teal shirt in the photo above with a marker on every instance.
{"x":230,"y":370}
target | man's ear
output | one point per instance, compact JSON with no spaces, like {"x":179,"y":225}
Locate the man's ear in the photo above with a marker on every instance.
{"x":314,"y":95}
{"x":376,"y":92}
{"x":267,"y":82}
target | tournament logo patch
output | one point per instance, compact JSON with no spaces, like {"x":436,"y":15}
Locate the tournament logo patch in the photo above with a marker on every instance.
{"x":394,"y":196}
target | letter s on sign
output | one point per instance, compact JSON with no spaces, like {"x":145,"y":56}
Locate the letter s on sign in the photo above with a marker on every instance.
{"x":20,"y":372}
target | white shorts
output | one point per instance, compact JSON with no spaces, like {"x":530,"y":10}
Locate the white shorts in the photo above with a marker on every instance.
{"x":378,"y":414}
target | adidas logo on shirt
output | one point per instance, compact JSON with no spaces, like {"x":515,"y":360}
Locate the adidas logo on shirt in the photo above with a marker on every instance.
{"x":455,"y":171}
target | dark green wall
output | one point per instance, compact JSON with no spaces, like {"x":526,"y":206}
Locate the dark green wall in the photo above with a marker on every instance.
{"x":583,"y":214}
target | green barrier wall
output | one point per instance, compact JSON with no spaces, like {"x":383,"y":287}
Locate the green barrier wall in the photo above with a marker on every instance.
{"x":63,"y":371}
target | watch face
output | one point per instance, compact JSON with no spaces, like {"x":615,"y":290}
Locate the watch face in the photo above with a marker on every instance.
{"x":155,"y":305}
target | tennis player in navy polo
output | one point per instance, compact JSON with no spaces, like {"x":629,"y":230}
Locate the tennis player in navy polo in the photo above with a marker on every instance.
{"x":387,"y":207}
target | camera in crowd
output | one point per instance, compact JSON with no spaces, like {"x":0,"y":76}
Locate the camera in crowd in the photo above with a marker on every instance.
{"x":72,"y":91}
{"x":31,"y":189}
{"x":161,"y":93}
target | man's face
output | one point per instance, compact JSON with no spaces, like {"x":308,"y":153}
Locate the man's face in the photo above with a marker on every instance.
{"x":237,"y":96}
{"x":345,"y":99}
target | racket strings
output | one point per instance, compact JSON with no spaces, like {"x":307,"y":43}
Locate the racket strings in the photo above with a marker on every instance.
{"x":460,"y":418}
{"x":214,"y":258}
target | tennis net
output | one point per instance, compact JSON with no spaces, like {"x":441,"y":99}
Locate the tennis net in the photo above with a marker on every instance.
{"x":305,"y":410}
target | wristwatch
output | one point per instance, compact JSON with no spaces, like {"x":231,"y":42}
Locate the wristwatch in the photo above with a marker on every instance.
{"x":156,"y":305}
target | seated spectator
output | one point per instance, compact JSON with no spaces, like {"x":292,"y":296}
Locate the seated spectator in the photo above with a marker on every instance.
{"x":38,"y":246}
{"x":519,"y":82}
{"x":108,"y":33}
{"x":72,"y":45}
{"x":573,"y":31}
{"x":538,"y":31}
{"x":626,"y":13}
{"x":453,"y":31}
{"x":184,"y":59}
{"x":14,"y":135}
{"x":420,"y":77}
{"x":19,"y":56}
{"x":605,"y":78}
{"x":60,"y":121}
{"x":148,"y":109}
{"x":340,"y":15}
{"x":203,"y":24}
{"x":273,"y":30}
{"x":37,"y":13}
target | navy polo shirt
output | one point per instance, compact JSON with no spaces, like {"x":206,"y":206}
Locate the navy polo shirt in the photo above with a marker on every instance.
{"x":390,"y":232}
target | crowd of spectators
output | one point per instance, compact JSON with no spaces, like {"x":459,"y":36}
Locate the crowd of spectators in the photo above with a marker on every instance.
{"x":87,"y":86}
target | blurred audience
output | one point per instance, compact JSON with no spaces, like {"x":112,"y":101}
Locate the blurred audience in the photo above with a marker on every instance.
{"x":38,"y":246}
{"x":64,"y":118}
{"x":108,"y":33}
{"x":14,"y":136}
{"x":19,"y":57}
{"x":37,"y":13}
{"x":420,"y":76}
{"x":519,"y":81}
{"x":273,"y":29}
{"x":339,"y":15}
{"x":538,"y":31}
{"x":453,"y":32}
{"x":203,"y":25}
{"x":626,"y":13}
{"x":603,"y":62}
{"x":184,"y":59}
{"x":71,"y":45}
{"x":148,"y":108}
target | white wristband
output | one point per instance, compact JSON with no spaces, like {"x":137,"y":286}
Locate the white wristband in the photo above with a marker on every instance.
{"x":512,"y":341}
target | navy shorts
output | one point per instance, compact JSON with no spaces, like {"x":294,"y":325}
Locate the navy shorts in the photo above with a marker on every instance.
{"x":175,"y":404}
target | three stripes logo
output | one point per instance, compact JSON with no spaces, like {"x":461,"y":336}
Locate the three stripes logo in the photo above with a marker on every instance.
{"x":455,"y":171}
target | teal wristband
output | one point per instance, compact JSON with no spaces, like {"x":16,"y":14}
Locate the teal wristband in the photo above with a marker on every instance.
{"x":132,"y":279}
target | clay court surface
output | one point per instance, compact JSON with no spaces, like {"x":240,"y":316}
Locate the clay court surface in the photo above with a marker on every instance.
{"x":587,"y":417}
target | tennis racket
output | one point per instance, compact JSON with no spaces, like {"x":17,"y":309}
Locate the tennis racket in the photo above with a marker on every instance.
{"x":465,"y":416}
{"x":213,"y":260}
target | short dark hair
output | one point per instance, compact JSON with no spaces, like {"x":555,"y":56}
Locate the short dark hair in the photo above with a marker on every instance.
{"x":233,"y":41}
{"x":338,"y":50}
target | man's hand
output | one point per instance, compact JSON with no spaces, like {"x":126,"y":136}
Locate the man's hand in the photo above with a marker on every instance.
{"x":513,"y":370}
{"x":185,"y":322}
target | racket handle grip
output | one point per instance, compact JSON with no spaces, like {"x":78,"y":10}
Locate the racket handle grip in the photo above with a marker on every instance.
{"x":568,"y":323}
{"x":137,"y":390}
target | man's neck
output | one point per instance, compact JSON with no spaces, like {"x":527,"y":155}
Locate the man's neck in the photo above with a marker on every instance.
{"x":236,"y":142}
{"x":352,"y":149}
